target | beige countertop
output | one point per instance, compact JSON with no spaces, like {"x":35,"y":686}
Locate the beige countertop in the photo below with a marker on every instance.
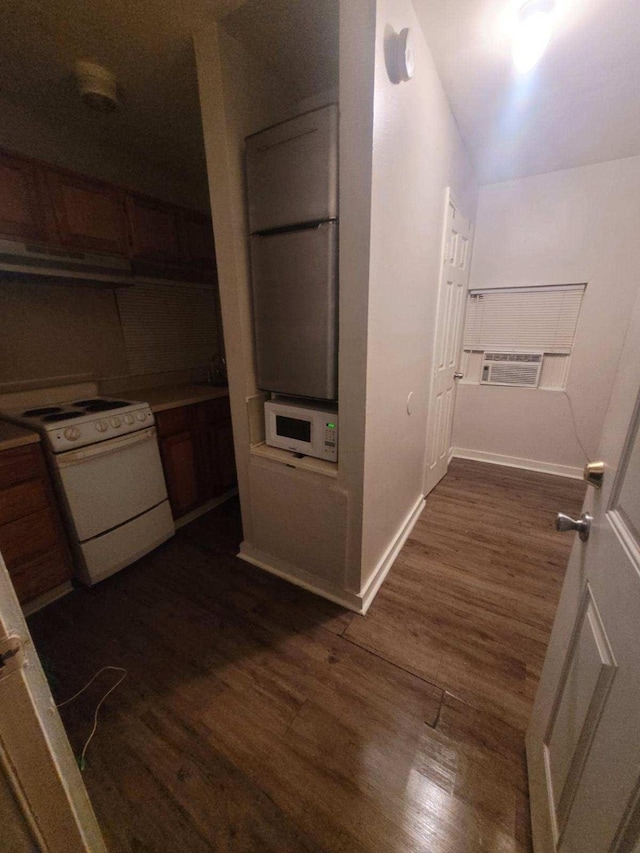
{"x":16,"y":436}
{"x":171,"y":396}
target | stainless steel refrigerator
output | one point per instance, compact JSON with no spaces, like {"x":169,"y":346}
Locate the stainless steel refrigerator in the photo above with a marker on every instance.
{"x":292,"y":182}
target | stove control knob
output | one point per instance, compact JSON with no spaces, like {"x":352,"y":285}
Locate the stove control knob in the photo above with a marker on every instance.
{"x":115,"y":422}
{"x":72,"y":433}
{"x":102,"y":426}
{"x":141,"y":416}
{"x":129,"y":419}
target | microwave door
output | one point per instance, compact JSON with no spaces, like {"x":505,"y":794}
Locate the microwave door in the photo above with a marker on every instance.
{"x":295,"y":286}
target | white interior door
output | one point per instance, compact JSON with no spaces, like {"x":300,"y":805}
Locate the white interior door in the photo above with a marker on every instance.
{"x":583,"y":743}
{"x":42,"y":791}
{"x":454,"y":279}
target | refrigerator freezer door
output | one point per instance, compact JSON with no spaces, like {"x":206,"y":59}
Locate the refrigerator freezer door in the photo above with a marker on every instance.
{"x":295,"y":311}
{"x":292,"y":171}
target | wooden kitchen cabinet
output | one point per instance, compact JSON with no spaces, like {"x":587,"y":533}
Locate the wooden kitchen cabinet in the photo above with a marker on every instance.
{"x":32,"y":540}
{"x":178,"y":453}
{"x":22,"y":208}
{"x":197,"y":244}
{"x":215,"y":434}
{"x":196,"y":447}
{"x":59,"y":208}
{"x":88,"y":215}
{"x":154,"y":229}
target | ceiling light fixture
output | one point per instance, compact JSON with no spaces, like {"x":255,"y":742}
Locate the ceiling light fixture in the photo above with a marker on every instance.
{"x":400,"y":56}
{"x":532,"y":33}
{"x":97,"y":85}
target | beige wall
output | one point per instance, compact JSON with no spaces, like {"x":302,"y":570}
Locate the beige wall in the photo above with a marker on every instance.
{"x":237,"y":97}
{"x":417,"y":153}
{"x":357,"y":76}
{"x":58,"y":333}
{"x":578,"y":225}
{"x":298,"y":523}
{"x":399,"y":150}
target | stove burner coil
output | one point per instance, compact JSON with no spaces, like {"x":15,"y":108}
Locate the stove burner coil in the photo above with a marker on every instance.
{"x":36,"y":413}
{"x":106,"y":405}
{"x":65,"y":416}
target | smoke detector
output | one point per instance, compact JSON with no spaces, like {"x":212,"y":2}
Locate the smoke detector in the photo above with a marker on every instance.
{"x":97,"y":86}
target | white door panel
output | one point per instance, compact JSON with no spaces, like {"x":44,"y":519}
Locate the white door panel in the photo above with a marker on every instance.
{"x":35,"y":756}
{"x":454,"y":278}
{"x":583,"y":743}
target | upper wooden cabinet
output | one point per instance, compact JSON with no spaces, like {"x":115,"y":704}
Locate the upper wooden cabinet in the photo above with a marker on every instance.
{"x":22,"y":210}
{"x":154,"y":229}
{"x":88,"y":214}
{"x":197,"y":244}
{"x":197,"y":237}
{"x":59,"y":208}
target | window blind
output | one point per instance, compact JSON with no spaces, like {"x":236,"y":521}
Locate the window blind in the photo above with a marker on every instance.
{"x":527,"y":318}
{"x":168,"y":326}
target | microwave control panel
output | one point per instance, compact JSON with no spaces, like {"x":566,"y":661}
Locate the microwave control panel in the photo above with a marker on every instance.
{"x":331,"y":440}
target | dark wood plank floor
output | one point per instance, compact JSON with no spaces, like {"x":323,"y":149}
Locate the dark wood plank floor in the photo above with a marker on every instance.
{"x":257,"y":717}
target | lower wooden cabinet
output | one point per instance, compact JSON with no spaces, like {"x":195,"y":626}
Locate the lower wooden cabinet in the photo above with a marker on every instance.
{"x":196,"y":446}
{"x":32,"y":540}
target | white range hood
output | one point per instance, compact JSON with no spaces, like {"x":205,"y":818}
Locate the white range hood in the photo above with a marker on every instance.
{"x":31,"y":263}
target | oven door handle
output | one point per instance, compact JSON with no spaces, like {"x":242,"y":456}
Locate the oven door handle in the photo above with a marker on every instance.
{"x":105,"y":448}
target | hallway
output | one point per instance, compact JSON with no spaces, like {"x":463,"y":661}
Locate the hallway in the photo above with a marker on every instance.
{"x":257,"y":717}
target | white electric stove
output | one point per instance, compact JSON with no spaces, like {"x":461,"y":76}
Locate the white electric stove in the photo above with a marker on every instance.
{"x":104,"y":456}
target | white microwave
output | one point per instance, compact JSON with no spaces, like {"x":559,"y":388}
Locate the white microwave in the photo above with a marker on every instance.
{"x":303,"y":428}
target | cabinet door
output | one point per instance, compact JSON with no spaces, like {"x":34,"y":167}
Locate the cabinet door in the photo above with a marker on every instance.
{"x":89,"y":215}
{"x":224,"y":457}
{"x":21,"y":206}
{"x":179,"y":461}
{"x":154,"y":229}
{"x":216,"y":447}
{"x":41,"y":574}
{"x":26,"y":537}
{"x":198,"y":245}
{"x":32,"y":540}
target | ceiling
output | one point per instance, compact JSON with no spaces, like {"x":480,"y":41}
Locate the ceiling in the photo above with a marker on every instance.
{"x":297,"y":40}
{"x":147,"y":44}
{"x":580,"y":105}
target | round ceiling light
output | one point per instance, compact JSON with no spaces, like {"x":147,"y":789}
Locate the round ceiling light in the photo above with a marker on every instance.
{"x":532,"y":33}
{"x":97,"y":86}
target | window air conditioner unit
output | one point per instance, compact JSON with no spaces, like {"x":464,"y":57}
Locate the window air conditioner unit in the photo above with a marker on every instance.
{"x":511,"y":368}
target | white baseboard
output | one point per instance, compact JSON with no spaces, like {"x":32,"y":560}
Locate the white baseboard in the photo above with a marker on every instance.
{"x":389,"y":557}
{"x":358,"y":602}
{"x":299,"y":577}
{"x":49,"y":597}
{"x":200,"y":510}
{"x":517,"y":462}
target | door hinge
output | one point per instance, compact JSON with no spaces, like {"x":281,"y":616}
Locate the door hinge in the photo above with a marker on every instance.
{"x":11,"y":655}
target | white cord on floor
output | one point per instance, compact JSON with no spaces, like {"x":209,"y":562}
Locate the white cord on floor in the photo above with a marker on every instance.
{"x":81,"y":762}
{"x":575,"y":426}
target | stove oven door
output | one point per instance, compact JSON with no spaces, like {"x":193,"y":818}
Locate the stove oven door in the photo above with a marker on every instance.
{"x":107,"y":484}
